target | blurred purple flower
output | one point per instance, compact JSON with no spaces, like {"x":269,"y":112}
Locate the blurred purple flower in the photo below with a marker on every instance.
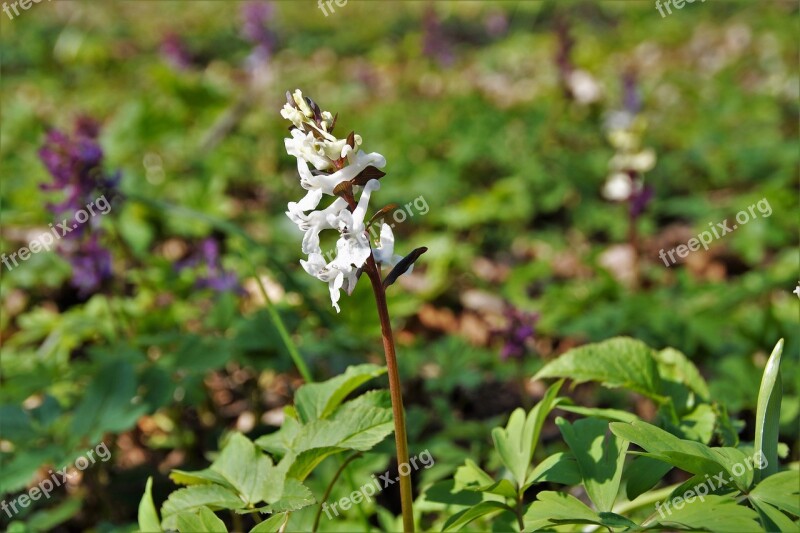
{"x":91,"y":266}
{"x":435,"y":43}
{"x":175,"y":51}
{"x":631,"y":100}
{"x":76,"y":164}
{"x":213,"y":276}
{"x":519,"y":329}
{"x":496,"y":24}
{"x":255,"y":29}
{"x":639,"y":200}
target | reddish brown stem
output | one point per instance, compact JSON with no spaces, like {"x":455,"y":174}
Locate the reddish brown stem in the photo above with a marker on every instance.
{"x":401,"y":441}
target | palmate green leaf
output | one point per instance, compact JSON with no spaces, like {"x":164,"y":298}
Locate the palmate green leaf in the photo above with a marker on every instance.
{"x":192,"y":498}
{"x":516,"y":443}
{"x":295,"y":496}
{"x":781,"y":490}
{"x":201,"y":521}
{"x":552,"y":508}
{"x":199,"y":477}
{"x":558,"y":468}
{"x":357,"y":427}
{"x":270,"y":525}
{"x":597,"y":412}
{"x":675,"y":366}
{"x":600,"y":457}
{"x":248,"y":471}
{"x":768,"y":413}
{"x":148,"y":516}
{"x":617,"y":362}
{"x":690,"y":456}
{"x":445,"y":492}
{"x":643,"y":474}
{"x":318,"y":400}
{"x":470,"y":476}
{"x":713,"y":513}
{"x":462,"y":518}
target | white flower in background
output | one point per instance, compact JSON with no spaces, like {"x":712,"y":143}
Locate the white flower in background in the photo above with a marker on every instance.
{"x":332,"y":162}
{"x":618,"y":187}
{"x":584,"y":87}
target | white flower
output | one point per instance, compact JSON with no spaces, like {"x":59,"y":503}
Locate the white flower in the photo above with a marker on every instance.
{"x":336,"y":278}
{"x":643,"y":161}
{"x":384,"y":252}
{"x":314,"y":222}
{"x":333,"y":161}
{"x":353,"y":248}
{"x":618,"y":187}
{"x":584,"y":87}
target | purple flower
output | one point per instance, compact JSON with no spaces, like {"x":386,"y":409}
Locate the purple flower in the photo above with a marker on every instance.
{"x":631,"y":99}
{"x":174,"y":50}
{"x":639,"y":200}
{"x":255,"y":29}
{"x":213,"y":276}
{"x":435,"y":43}
{"x":519,"y":329}
{"x":76,"y":164}
{"x":91,"y":266}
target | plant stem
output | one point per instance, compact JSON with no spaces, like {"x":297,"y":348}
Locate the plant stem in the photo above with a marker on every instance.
{"x":330,"y":488}
{"x":401,"y":441}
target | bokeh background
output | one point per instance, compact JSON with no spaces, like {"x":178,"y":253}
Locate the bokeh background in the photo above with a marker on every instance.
{"x":506,"y":123}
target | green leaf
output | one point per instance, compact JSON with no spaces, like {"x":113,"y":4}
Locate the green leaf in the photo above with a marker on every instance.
{"x":643,"y":474}
{"x":106,"y":406}
{"x":318,"y":400}
{"x":353,"y":427}
{"x":199,"y":477}
{"x":558,"y":468}
{"x":608,"y":414}
{"x":600,"y":458}
{"x":617,"y":362}
{"x":712,"y":513}
{"x":148,"y":517}
{"x":675,"y":366}
{"x":552,"y":508}
{"x":772,"y":518}
{"x":295,"y":496}
{"x":248,"y":470}
{"x":270,"y":525}
{"x":768,"y":412}
{"x":690,"y":456}
{"x":781,"y":490}
{"x":517,"y":442}
{"x":444,"y":492}
{"x":202,"y":521}
{"x":192,"y":498}
{"x":471,"y":477}
{"x":462,"y":518}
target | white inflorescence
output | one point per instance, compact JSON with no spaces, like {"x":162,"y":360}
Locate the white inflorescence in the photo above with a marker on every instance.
{"x":334,"y":161}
